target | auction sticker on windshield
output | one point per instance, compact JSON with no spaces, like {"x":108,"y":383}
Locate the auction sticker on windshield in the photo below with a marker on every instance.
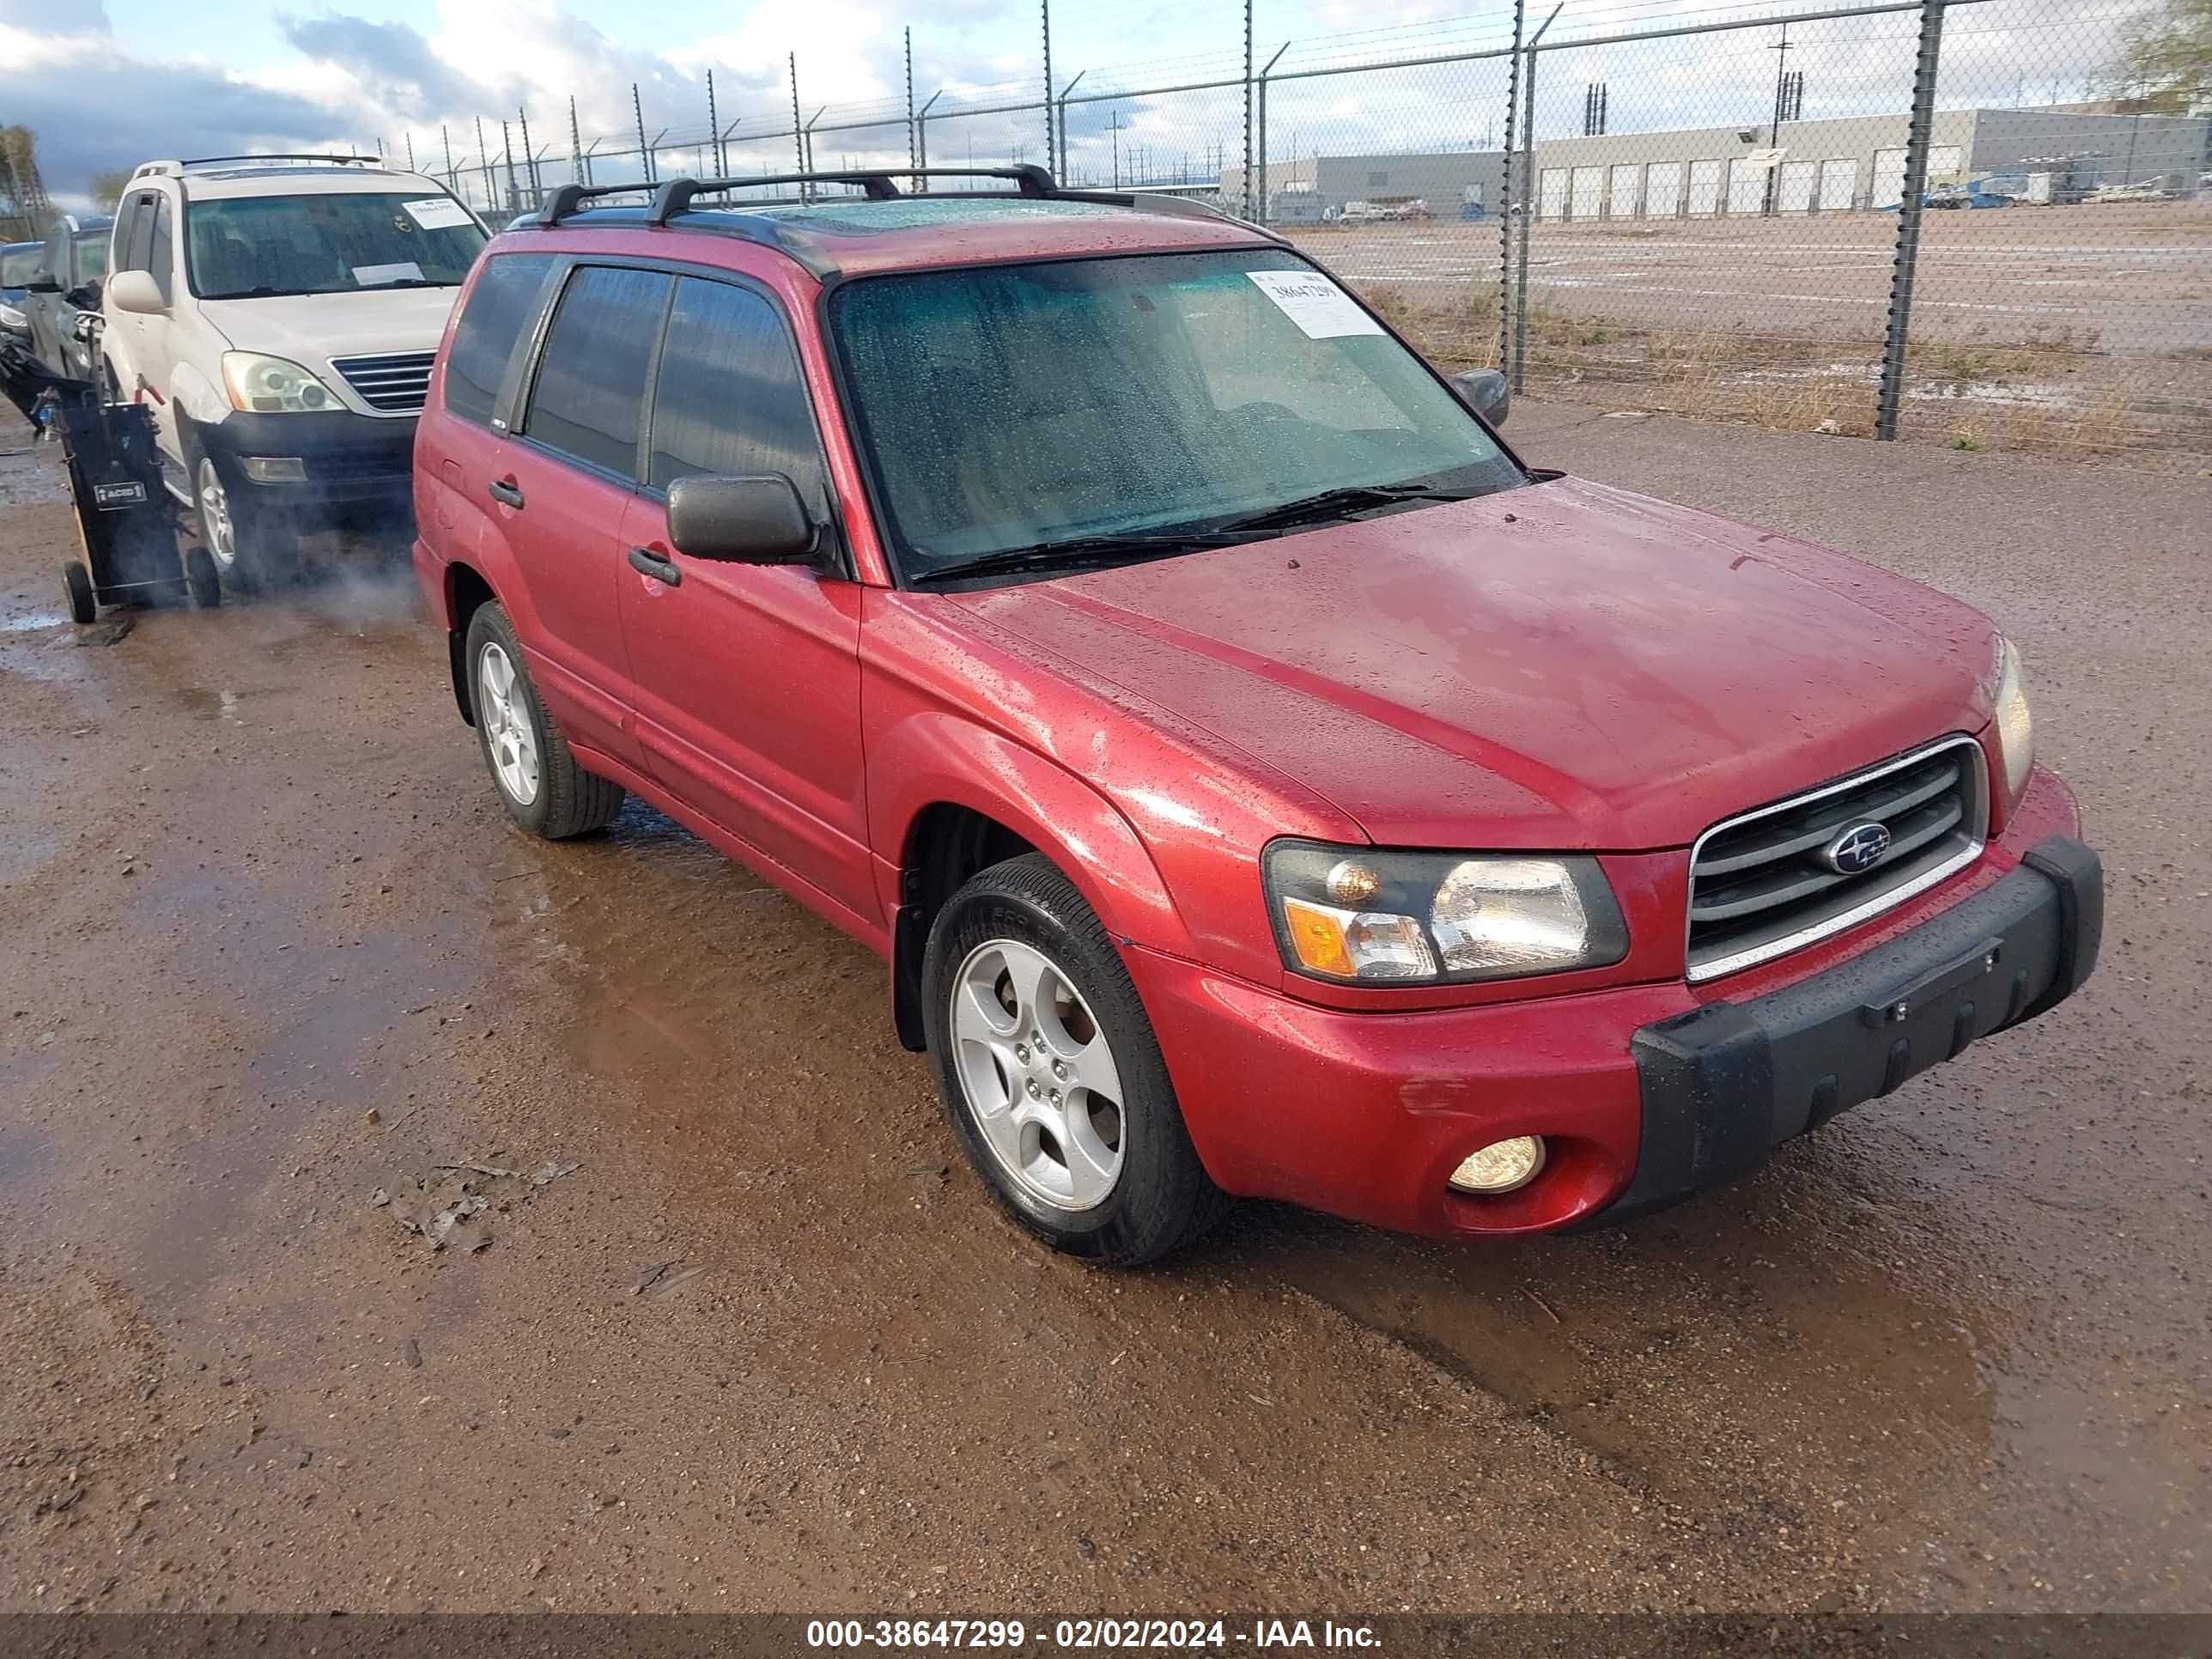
{"x":1316,"y":304}
{"x":436,"y":212}
{"x":406,"y":271}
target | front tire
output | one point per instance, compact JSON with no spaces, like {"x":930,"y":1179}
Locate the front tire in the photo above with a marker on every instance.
{"x":202,"y":580}
{"x":538,"y":781}
{"x":1050,"y":1072}
{"x":249,"y":543}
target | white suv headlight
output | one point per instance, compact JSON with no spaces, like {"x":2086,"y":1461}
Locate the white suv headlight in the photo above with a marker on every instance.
{"x":1366,"y":914}
{"x":2015,"y":724}
{"x":272,"y":386}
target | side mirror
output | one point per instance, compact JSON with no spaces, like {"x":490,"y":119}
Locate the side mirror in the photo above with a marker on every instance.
{"x":135,"y":291}
{"x":752,"y":520}
{"x":1486,"y":392}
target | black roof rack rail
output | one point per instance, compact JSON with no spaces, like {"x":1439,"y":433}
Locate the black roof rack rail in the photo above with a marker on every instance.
{"x":880,"y":183}
{"x":565,"y":200}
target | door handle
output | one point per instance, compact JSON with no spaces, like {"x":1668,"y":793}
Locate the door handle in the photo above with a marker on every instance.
{"x":646,"y":562}
{"x":502,"y":489}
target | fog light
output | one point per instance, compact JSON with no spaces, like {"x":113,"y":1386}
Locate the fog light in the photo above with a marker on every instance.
{"x":274,"y":468}
{"x":1503,"y":1166}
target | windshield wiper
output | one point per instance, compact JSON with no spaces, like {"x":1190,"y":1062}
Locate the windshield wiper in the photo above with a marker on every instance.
{"x":266,"y":293}
{"x":1079,"y":552}
{"x":1335,"y":503}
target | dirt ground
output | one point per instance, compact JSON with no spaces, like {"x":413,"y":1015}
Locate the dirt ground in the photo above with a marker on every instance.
{"x":2129,"y":279}
{"x":271,"y":948}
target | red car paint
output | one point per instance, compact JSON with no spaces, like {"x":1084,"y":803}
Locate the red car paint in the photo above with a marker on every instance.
{"x":1561,"y":667}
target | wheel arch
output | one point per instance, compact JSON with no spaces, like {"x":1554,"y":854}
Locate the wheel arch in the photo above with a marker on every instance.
{"x":1006,"y":801}
{"x":465,"y":592}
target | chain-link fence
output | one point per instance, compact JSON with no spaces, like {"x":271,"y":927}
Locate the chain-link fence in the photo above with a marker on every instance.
{"x":1951,"y":220}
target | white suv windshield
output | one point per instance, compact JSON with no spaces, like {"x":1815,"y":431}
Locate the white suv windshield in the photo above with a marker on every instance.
{"x":1007,"y":407}
{"x":253,"y":246}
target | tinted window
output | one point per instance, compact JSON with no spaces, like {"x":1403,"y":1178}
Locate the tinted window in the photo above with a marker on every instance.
{"x":501,"y":306}
{"x":589,"y":401}
{"x":161,"y":254}
{"x":729,"y":398}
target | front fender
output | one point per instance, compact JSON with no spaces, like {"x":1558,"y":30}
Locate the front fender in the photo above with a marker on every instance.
{"x":194,"y":397}
{"x":933,"y":756}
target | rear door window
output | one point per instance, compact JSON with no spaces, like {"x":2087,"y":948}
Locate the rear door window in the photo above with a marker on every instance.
{"x":589,"y":400}
{"x":728,"y":399}
{"x":501,"y":306}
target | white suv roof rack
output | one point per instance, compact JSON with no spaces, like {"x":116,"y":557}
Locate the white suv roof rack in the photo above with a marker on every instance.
{"x":173,"y":169}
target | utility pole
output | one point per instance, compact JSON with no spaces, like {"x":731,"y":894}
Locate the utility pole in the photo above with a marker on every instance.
{"x":1774,"y":136}
{"x":1051,"y":164}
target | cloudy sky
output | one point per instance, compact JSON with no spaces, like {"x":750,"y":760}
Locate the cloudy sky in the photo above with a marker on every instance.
{"x":107,"y":83}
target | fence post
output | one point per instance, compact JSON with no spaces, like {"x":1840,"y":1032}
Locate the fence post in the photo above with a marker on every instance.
{"x":797,"y":132}
{"x":575,"y":145}
{"x":1247,"y":180}
{"x":1264,"y":198}
{"x":484,"y":161}
{"x":1051,"y":164}
{"x":1505,"y":213}
{"x":644,"y":156}
{"x":529,"y":155}
{"x":912,"y":183}
{"x":1064,"y":91}
{"x":1924,"y":71}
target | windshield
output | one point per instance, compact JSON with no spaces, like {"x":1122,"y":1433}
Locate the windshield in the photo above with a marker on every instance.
{"x":1020,"y":406}
{"x":251,"y":246}
{"x":17,"y":263}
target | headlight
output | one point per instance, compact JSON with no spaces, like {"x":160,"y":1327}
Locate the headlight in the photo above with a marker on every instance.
{"x":270,"y":385}
{"x":2015,"y":726}
{"x":1366,"y":915}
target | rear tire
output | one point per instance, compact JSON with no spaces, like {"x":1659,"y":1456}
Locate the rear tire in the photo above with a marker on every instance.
{"x":1050,"y":1072}
{"x":538,"y":778}
{"x":83,"y":607}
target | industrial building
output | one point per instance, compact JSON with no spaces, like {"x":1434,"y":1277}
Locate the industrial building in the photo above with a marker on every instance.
{"x":1836,"y":165}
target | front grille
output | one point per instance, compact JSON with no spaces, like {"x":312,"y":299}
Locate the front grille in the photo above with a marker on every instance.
{"x":396,"y":382}
{"x":1763,"y":883}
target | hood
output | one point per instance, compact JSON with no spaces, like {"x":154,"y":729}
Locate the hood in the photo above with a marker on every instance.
{"x":311,"y":329}
{"x":1566,"y":665}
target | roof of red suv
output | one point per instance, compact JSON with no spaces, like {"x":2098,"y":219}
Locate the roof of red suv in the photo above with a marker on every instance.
{"x":855,"y":235}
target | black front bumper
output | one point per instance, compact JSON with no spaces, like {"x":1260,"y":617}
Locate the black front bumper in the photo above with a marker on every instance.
{"x":1723,"y":1086}
{"x":351,"y":461}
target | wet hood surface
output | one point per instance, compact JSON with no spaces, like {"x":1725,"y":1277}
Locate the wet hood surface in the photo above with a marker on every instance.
{"x":1565,"y":663}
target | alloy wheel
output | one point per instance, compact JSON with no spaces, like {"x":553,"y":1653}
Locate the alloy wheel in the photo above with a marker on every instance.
{"x":1038,"y":1075}
{"x":509,"y":737}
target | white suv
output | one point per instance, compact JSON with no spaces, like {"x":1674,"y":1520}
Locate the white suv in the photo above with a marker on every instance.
{"x":279,"y":313}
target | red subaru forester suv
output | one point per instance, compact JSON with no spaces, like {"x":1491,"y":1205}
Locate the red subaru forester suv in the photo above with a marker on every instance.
{"x":1259,"y":780}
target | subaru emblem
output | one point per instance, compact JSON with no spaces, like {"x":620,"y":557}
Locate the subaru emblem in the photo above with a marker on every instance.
{"x":1857,"y":849}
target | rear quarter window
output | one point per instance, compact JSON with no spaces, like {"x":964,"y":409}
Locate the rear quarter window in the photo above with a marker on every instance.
{"x":500,"y":307}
